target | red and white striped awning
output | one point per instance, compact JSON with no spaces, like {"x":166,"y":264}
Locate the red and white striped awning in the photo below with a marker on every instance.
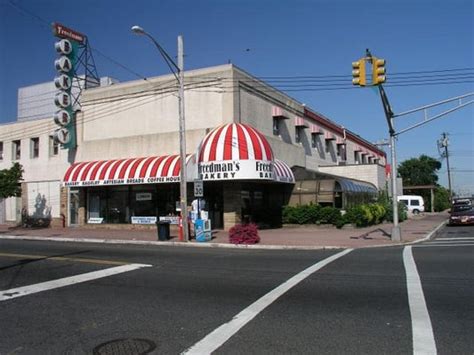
{"x":147,"y":170}
{"x":329,"y":136}
{"x":277,"y":112}
{"x":300,"y":122}
{"x":235,"y":141}
{"x":282,"y":172}
{"x":316,"y":130}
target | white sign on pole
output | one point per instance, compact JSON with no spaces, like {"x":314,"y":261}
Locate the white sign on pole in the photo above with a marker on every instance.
{"x":198,"y":188}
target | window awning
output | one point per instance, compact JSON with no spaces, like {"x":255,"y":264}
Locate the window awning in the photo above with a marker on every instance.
{"x":282,"y":172}
{"x":277,"y":112}
{"x":348,"y":185}
{"x":316,"y":130}
{"x":329,"y":136}
{"x":300,"y":122}
{"x":147,"y":170}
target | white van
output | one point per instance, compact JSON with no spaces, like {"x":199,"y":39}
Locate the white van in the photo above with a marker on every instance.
{"x":414,"y":203}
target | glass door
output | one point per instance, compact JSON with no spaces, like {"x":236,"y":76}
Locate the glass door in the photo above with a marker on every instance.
{"x":73,"y":207}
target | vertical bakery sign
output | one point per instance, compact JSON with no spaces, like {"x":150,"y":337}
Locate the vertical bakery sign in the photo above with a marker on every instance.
{"x":67,"y":48}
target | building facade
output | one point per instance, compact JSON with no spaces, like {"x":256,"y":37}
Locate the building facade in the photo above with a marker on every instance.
{"x":255,"y":149}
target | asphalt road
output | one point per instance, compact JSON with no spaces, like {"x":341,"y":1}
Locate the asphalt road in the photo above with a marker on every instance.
{"x":232,"y":301}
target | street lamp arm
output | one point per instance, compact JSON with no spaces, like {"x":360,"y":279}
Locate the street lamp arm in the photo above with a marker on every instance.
{"x":166,"y":57}
{"x":140,"y":31}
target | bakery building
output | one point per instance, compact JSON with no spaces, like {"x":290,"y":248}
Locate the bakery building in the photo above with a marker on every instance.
{"x":255,"y":148}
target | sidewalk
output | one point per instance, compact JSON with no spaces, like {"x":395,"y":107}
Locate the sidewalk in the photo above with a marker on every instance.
{"x":289,"y":237}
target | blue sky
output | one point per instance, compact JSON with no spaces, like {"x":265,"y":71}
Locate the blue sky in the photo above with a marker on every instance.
{"x":275,"y":38}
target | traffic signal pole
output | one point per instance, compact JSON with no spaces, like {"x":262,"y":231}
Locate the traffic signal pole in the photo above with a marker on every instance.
{"x":359,"y":74}
{"x":396,"y":232}
{"x":378,"y":77}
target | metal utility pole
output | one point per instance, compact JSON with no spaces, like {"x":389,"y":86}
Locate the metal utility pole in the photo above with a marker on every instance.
{"x":179,"y":75}
{"x":396,"y":232}
{"x":182,"y":143}
{"x":445,"y":143}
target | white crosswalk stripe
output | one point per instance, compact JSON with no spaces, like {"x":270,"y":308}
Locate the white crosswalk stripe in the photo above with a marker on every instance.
{"x":447,"y":242}
{"x":66,"y":281}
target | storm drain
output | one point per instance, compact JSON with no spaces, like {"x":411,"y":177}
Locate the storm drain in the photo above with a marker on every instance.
{"x":125,"y":347}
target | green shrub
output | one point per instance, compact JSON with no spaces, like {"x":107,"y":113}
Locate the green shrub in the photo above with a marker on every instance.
{"x":378,"y":212}
{"x":359,"y":215}
{"x":402,"y":212}
{"x":301,"y":214}
{"x":365,"y":215}
{"x":329,"y":215}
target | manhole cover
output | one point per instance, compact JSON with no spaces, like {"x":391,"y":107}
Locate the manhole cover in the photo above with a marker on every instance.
{"x":125,"y":347}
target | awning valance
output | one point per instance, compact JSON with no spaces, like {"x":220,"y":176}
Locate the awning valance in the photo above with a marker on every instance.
{"x":147,"y":170}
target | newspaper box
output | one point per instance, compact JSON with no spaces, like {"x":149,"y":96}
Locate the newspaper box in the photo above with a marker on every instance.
{"x":202,"y":230}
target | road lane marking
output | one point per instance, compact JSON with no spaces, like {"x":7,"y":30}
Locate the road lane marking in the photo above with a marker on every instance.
{"x":460,"y":238}
{"x":67,"y":281}
{"x":63,"y":258}
{"x":443,"y":245}
{"x":219,"y":336}
{"x":422,"y":331}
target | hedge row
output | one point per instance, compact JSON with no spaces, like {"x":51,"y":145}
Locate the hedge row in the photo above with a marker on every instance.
{"x":361,"y":215}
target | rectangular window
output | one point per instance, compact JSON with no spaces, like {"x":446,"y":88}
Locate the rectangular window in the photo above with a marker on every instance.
{"x":53,"y":147}
{"x":297,"y":135}
{"x":276,"y":127}
{"x":314,"y":140}
{"x":34,"y":148}
{"x":356,"y":157}
{"x":16,"y":150}
{"x":341,"y":151}
{"x":328,"y":145}
{"x":1,"y":151}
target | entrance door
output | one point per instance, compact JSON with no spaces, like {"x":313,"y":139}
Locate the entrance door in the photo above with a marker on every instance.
{"x":73,"y":207}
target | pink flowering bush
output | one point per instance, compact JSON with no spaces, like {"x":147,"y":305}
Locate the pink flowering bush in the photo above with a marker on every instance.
{"x":244,"y":234}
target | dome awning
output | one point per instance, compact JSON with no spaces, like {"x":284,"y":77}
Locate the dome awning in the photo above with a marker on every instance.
{"x":235,"y":151}
{"x":282,"y":172}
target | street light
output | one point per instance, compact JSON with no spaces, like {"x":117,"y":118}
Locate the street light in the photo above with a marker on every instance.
{"x":178,"y":72}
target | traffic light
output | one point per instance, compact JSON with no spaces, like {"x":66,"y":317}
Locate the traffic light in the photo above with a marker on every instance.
{"x":358,"y":72}
{"x":378,"y":71}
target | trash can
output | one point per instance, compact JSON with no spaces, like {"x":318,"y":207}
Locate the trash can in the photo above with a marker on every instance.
{"x":163,"y":230}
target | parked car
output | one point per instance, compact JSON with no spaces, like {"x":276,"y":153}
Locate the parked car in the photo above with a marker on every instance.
{"x":462,"y":201}
{"x":415,"y":204}
{"x":461,"y":214}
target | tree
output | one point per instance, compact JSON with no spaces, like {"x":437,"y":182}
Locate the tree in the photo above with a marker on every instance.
{"x":419,"y":171}
{"x":10,"y":181}
{"x":441,"y":199}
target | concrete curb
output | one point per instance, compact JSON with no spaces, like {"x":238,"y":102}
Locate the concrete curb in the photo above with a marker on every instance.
{"x":429,"y":236}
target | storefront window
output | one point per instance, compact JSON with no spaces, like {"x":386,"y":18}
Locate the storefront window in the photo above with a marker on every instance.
{"x":166,"y":200}
{"x":97,"y":205}
{"x":118,"y":207}
{"x":143,"y":201}
{"x":117,"y":204}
